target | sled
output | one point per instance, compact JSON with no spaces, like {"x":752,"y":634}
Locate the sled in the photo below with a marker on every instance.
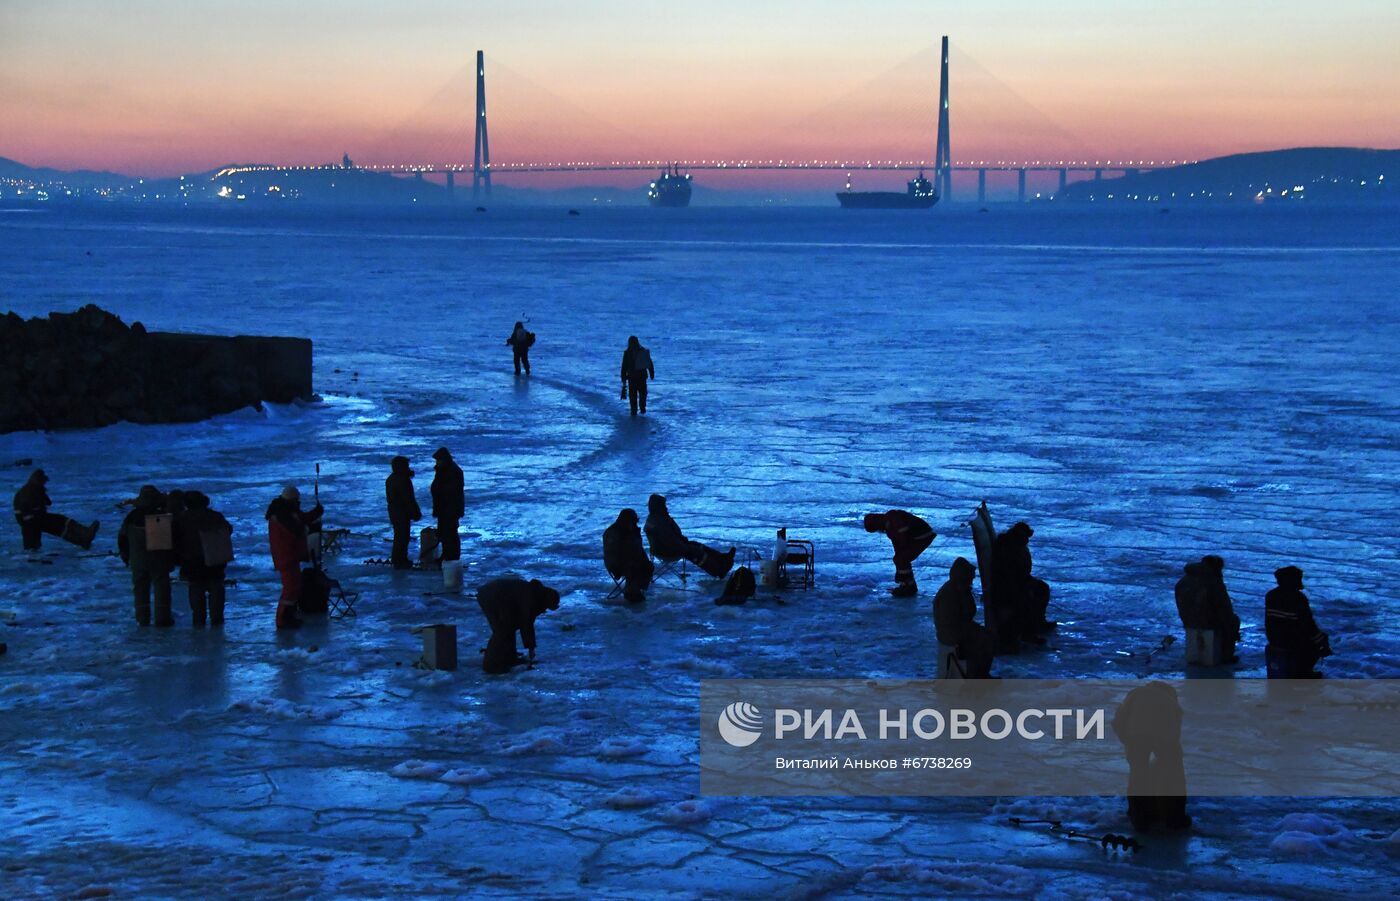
{"x":983,"y":534}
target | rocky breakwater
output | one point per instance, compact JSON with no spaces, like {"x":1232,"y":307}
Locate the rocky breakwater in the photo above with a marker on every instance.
{"x":89,"y":369}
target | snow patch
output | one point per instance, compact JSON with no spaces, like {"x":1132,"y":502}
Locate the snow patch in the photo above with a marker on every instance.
{"x":985,"y":879}
{"x":1309,"y":833}
{"x":534,"y":743}
{"x":616,"y":748}
{"x":418,"y":769}
{"x":685,"y":813}
{"x":283,"y":709}
{"x":632,"y":798}
{"x":466,"y":777}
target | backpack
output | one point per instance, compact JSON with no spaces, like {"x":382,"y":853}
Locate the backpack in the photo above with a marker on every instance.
{"x":738,"y":589}
{"x":160,"y":535}
{"x":315,"y":591}
{"x":216,"y":547}
{"x":529,"y":339}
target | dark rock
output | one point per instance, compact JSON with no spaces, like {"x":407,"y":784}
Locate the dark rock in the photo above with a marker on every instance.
{"x":87,"y":369}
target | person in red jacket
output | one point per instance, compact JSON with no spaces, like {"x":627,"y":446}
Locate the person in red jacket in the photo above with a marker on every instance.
{"x":287,"y":527}
{"x":910,"y":535}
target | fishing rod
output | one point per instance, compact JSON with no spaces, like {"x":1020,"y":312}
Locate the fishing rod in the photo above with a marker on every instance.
{"x":1109,"y":841}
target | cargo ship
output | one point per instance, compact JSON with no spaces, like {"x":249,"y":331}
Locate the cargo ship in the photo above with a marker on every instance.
{"x":918,"y":195}
{"x":670,"y":188}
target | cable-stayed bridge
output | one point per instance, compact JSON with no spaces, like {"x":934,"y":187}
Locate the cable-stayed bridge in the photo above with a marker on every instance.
{"x":483,"y":169}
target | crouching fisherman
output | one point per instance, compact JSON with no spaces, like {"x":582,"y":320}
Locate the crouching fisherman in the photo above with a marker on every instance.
{"x":910,"y":537}
{"x":1296,"y":644}
{"x":955,"y":621}
{"x":204,"y":542}
{"x":668,"y":542}
{"x":146,"y":544}
{"x":626,"y":558}
{"x":1148,"y":723}
{"x":510,"y":606}
{"x":32,"y":513}
{"x":287,"y":528}
{"x":1203,"y":602}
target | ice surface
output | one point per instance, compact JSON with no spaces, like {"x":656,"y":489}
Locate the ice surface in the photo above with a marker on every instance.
{"x":1142,"y":388}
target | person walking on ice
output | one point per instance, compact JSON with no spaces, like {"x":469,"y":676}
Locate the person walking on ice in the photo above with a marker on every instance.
{"x":521,"y":340}
{"x":636,"y":369}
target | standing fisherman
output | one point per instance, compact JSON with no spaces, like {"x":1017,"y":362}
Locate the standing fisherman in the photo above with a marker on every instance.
{"x":521,"y":340}
{"x":287,"y":528}
{"x":146,"y":544}
{"x":203,"y":541}
{"x":403,"y":509}
{"x":636,"y":369}
{"x":449,"y":502}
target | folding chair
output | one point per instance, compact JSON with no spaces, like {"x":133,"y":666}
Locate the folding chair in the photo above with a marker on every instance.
{"x":332,"y":540}
{"x":798,"y":567}
{"x":617,"y":589}
{"x":674,"y":569}
{"x":341,"y":602}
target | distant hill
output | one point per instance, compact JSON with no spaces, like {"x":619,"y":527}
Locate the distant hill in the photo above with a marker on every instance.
{"x":80,"y":178}
{"x":1332,"y":174}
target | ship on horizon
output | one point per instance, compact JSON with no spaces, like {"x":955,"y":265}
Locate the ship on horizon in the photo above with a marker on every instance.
{"x":670,"y":188}
{"x":919,"y":194}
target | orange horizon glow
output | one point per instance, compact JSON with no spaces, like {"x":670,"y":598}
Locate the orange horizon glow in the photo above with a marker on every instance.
{"x":154,"y":88}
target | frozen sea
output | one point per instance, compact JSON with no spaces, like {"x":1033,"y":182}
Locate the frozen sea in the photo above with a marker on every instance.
{"x":1142,"y":387}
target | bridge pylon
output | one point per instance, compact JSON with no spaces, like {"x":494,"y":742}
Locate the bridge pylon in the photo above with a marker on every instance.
{"x":481,"y":160}
{"x":942,"y":155}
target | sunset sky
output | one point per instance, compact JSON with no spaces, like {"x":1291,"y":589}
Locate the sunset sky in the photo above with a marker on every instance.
{"x":160,"y":87}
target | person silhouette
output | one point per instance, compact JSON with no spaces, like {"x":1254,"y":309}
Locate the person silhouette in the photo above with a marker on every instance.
{"x":403,"y":509}
{"x":625,"y":557}
{"x":1148,"y":723}
{"x":910,"y":536}
{"x":636,"y":369}
{"x":521,"y":340}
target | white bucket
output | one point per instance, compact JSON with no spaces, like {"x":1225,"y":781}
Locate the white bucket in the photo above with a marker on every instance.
{"x":452,"y":575}
{"x":768,"y":573}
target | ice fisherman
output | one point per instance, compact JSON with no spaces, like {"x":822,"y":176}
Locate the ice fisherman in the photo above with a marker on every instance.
{"x":955,"y":620}
{"x":32,"y":513}
{"x":449,"y":496}
{"x":287,"y":528}
{"x":910,"y":537}
{"x":636,"y":369}
{"x":521,"y":339}
{"x":204,"y":547}
{"x":1148,"y":723}
{"x":625,"y":557}
{"x":146,"y":544}
{"x":669,"y":543}
{"x":403,"y":509}
{"x":1203,"y":602}
{"x":1020,"y":597}
{"x":1296,"y":644}
{"x":512,"y":605}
